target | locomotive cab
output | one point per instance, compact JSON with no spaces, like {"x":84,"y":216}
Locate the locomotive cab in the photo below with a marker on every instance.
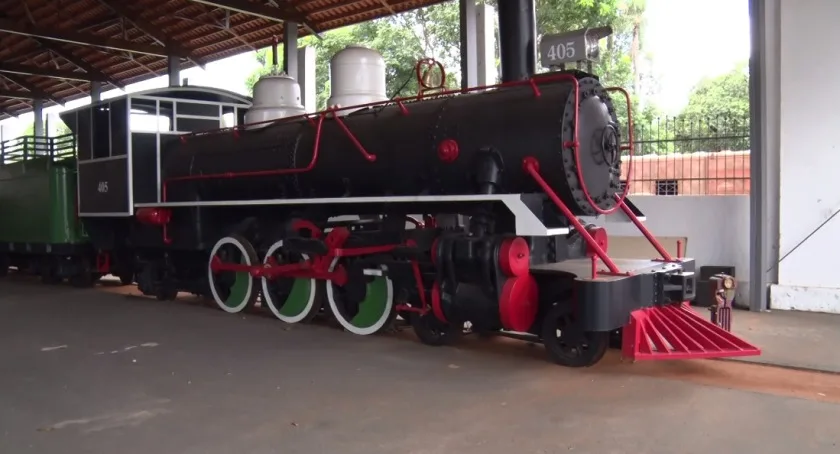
{"x":121,"y":141}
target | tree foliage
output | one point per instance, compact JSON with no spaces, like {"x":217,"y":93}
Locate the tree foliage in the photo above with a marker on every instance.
{"x":716,"y":118}
{"x":725,"y":95}
{"x":718,"y":111}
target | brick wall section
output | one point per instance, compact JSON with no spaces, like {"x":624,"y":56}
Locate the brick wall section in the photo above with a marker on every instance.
{"x":701,"y":173}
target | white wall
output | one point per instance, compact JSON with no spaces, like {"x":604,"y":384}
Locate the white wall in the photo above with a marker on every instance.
{"x":809,"y":147}
{"x":800,"y":90}
{"x":717,"y":229}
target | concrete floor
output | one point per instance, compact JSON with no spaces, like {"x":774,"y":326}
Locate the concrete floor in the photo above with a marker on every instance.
{"x":87,"y":371}
{"x":792,"y":339}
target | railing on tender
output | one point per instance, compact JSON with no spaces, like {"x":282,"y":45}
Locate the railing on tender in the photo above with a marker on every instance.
{"x":27,"y":148}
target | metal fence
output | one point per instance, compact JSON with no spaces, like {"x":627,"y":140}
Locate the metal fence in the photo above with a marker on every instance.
{"x":31,"y":148}
{"x":690,"y":156}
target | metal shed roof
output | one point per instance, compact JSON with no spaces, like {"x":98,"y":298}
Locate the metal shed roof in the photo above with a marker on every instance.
{"x":53,"y":49}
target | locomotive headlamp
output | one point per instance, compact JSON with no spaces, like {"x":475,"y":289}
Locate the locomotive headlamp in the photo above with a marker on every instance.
{"x":720,"y":300}
{"x":728,"y":283}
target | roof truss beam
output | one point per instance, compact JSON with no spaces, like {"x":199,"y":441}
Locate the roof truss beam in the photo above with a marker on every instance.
{"x":8,"y":112}
{"x":83,"y":39}
{"x":281,"y":13}
{"x":16,"y":94}
{"x":54,"y":48}
{"x":152,"y":30}
{"x":46,"y":72}
{"x":34,"y":92}
{"x":79,"y":62}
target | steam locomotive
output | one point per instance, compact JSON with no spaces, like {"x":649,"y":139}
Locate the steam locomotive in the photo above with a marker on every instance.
{"x":456,"y":211}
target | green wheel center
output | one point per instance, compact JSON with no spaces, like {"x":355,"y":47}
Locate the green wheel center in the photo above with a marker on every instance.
{"x":239,"y":290}
{"x":365,"y":304}
{"x":375,"y":305}
{"x":297,"y":299}
{"x":292,"y":300}
{"x":232,"y":290}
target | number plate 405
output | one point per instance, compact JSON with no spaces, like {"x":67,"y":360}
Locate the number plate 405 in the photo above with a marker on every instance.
{"x":557,"y":50}
{"x":573,"y":46}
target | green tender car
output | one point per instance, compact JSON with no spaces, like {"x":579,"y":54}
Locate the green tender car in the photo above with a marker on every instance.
{"x":40,"y":232}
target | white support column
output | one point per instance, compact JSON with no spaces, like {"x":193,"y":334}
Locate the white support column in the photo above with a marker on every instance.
{"x":290,"y":54}
{"x":95,"y":91}
{"x":469,"y":69}
{"x":38,"y":130}
{"x":306,"y":78}
{"x":486,"y":44}
{"x":808,"y":198}
{"x":174,"y":71}
{"x":764,"y":154}
{"x":38,"y":113}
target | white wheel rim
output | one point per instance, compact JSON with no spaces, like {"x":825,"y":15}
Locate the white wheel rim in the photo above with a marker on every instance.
{"x":345,"y":323}
{"x":216,"y":297}
{"x":269,"y":300}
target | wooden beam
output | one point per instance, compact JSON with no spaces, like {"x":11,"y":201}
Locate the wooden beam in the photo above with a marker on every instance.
{"x":364,"y":12}
{"x":80,"y":62}
{"x":34,"y":92}
{"x":278,"y":14}
{"x":16,"y":94}
{"x":56,"y":49}
{"x":46,"y":72}
{"x":8,"y":112}
{"x":83,"y":39}
{"x":154,"y":31}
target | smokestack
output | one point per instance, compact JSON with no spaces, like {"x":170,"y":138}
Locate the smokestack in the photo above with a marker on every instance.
{"x":517,"y":39}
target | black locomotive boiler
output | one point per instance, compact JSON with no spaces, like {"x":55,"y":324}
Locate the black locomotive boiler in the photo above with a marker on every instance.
{"x":472,"y":144}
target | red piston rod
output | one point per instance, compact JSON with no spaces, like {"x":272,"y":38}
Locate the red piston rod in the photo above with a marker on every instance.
{"x":418,"y":282}
{"x":316,"y":268}
{"x":531,"y":166}
{"x":368,"y":250}
{"x":304,"y":270}
{"x":652,"y":239}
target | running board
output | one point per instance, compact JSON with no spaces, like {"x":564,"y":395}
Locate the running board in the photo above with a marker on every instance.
{"x":677,"y":332}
